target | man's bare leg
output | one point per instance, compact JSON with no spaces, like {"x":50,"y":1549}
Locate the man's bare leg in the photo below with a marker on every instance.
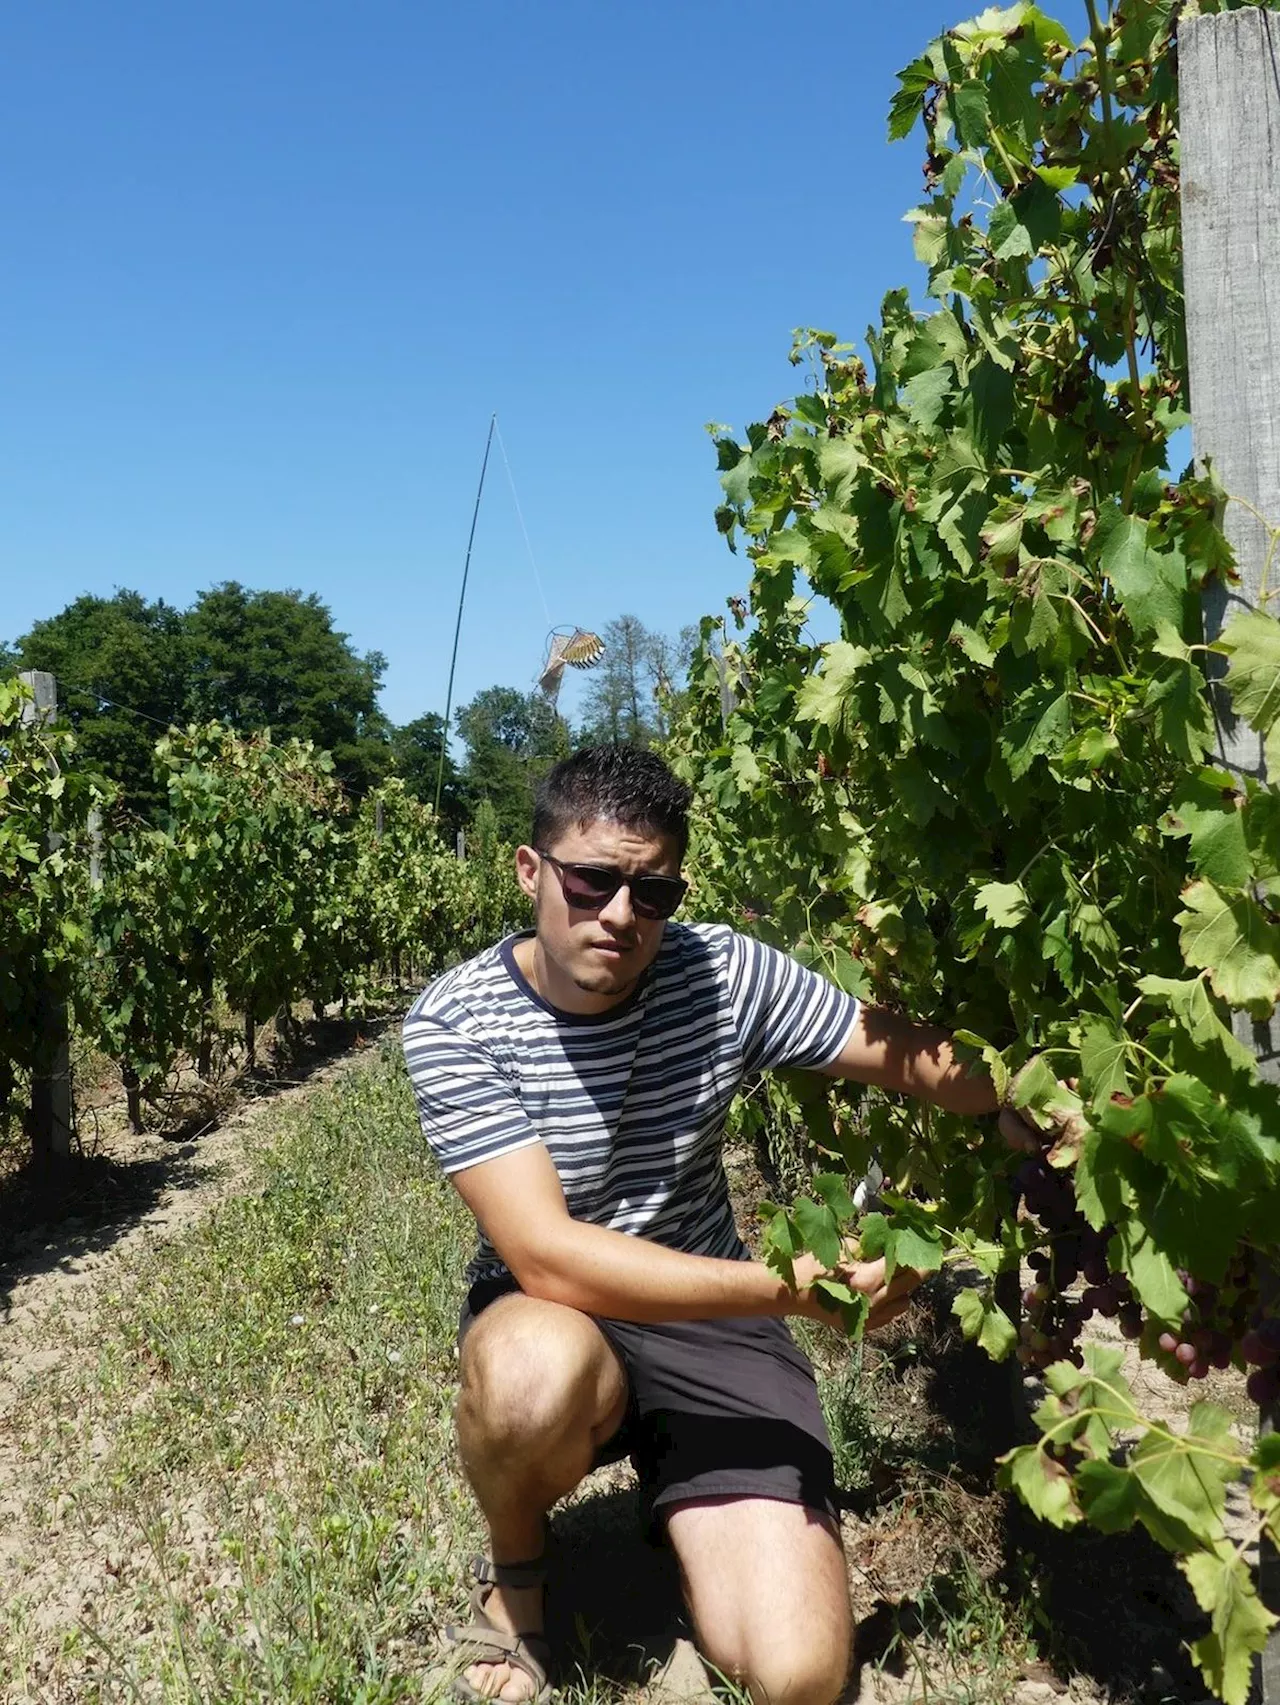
{"x":541,"y":1389}
{"x":766,"y":1587}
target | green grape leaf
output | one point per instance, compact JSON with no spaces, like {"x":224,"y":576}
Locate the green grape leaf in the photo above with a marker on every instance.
{"x":1043,"y":1485}
{"x":1228,"y":936}
{"x":1044,"y":727}
{"x":907,"y":1246}
{"x":1005,"y":903}
{"x":1036,"y":1089}
{"x":1262,"y":832}
{"x":852,"y":1306}
{"x":1151,"y":584}
{"x":991,"y":397}
{"x":1183,"y":716}
{"x":745,"y":768}
{"x":915,"y":82}
{"x":817,"y":1226}
{"x":970,"y":113}
{"x":1207,"y":808}
{"x":984,"y":1323}
{"x":1058,"y":178}
{"x":1133,"y":1251}
{"x":989,"y":1258}
{"x":829,"y":696}
{"x":1264,"y":1494}
{"x":928,"y":393}
{"x":780,"y":1245}
{"x":1104,"y":1056}
{"x":1192,"y":1006}
{"x":1111,"y":1496}
{"x":1240,"y":1621}
{"x":1251,"y":640}
{"x":990,"y":1056}
{"x":834,"y":1192}
{"x":873,"y":1235}
{"x":1025,"y":222}
{"x":1185,"y":1476}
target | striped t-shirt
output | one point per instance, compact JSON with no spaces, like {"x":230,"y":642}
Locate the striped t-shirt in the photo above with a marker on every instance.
{"x":629,"y":1103}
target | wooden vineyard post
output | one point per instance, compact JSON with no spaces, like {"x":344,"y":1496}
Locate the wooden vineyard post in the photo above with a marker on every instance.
{"x":51,"y":1113}
{"x":1229,"y":80}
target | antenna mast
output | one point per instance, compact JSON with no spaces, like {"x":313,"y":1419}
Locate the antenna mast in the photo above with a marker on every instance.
{"x":462,"y":598}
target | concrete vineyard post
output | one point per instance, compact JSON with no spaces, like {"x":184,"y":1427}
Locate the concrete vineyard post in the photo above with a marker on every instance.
{"x":1229,"y":77}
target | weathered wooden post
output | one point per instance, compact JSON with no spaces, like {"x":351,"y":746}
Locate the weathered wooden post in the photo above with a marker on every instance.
{"x":1229,"y":81}
{"x":52,"y":1122}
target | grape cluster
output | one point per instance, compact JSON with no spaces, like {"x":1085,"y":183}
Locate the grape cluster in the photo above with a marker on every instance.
{"x":1051,"y":1320}
{"x":1224,"y":1324}
{"x":1260,"y":1347}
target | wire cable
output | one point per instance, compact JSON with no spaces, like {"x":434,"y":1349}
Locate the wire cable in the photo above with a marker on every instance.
{"x":102,"y":699}
{"x":520,"y":517}
{"x":173,"y":727}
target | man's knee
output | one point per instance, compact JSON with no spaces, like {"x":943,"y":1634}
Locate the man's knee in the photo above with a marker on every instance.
{"x":779,"y":1671}
{"x":526,"y":1376}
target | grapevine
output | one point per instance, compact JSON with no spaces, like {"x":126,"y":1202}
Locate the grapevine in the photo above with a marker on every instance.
{"x":44,"y":888}
{"x":991,"y":803}
{"x":259,"y":888}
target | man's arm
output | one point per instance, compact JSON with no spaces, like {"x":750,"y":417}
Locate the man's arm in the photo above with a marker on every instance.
{"x":518,"y":1201}
{"x":893,"y":1053}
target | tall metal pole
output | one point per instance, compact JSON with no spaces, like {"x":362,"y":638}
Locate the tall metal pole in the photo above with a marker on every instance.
{"x":462,"y":598}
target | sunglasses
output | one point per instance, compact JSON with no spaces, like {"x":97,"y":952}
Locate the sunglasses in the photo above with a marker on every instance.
{"x":589,"y":886}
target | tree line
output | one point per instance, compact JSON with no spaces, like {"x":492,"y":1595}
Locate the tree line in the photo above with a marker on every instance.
{"x":255,"y":660}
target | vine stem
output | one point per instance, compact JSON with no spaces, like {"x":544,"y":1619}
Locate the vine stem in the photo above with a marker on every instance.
{"x":1127,"y":1414}
{"x":1102,"y":638}
{"x":1265,"y":595}
{"x":1104,"y":68}
{"x":1139,"y":407}
{"x":1049,"y":846}
{"x":1004,"y":158}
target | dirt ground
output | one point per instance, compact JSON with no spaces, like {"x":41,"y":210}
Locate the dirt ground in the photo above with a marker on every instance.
{"x":63,"y":1244}
{"x":922,"y":1516}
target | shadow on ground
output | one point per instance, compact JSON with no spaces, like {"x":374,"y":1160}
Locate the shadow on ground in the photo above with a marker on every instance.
{"x":54,"y":1218}
{"x":1112,"y":1608}
{"x":613,"y":1600}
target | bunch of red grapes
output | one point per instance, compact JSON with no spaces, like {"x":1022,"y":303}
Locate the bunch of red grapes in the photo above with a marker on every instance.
{"x":1051,"y":1320}
{"x":1224,"y":1324}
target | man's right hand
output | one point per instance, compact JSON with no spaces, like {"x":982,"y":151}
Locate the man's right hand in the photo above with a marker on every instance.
{"x":867,"y":1277}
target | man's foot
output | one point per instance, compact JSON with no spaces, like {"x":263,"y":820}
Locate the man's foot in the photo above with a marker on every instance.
{"x":505,"y":1636}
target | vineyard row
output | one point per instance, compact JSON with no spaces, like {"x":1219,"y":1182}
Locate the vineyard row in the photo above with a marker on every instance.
{"x":261,"y":887}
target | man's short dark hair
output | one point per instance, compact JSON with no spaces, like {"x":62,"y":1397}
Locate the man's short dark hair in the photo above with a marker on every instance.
{"x":612,"y":784}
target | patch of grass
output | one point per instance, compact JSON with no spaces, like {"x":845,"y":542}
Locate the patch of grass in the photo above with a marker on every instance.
{"x":246,"y":1472}
{"x":961,"y":1640}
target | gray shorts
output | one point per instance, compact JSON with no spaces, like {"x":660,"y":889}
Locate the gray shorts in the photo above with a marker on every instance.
{"x":716,"y":1408}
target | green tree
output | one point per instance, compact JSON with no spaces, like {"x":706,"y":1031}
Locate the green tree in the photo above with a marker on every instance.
{"x":512,"y":739}
{"x":108,"y":654}
{"x":274,"y":660}
{"x":629,"y":694}
{"x":415,"y":749}
{"x":669,"y":665}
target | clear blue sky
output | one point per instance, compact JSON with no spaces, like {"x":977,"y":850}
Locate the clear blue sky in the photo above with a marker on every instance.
{"x":271,"y":265}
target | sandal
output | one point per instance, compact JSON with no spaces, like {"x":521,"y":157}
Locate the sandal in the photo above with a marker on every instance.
{"x":484,"y":1642}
